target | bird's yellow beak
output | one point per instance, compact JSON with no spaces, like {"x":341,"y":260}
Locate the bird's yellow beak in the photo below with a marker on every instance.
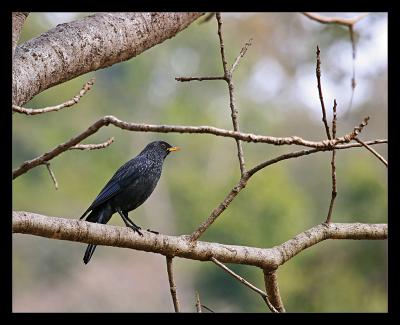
{"x":174,"y":149}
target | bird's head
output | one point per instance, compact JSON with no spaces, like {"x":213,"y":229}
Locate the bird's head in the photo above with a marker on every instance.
{"x":159,"y":149}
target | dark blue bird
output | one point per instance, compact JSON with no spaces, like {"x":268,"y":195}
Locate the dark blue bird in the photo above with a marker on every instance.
{"x":129,"y":188}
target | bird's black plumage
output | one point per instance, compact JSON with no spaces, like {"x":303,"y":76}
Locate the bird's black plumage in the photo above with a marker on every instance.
{"x":129,"y":188}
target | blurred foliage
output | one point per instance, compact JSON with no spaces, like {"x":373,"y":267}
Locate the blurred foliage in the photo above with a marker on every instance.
{"x":273,"y":98}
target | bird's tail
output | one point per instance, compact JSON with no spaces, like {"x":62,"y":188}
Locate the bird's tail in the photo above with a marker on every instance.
{"x":89,"y":252}
{"x":97,"y":216}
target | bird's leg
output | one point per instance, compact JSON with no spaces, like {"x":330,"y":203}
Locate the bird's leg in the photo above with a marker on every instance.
{"x":126,"y":221}
{"x":131,"y":222}
{"x":153,"y":231}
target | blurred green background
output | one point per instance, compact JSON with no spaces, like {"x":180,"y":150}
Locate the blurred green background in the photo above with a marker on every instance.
{"x":276,"y":95}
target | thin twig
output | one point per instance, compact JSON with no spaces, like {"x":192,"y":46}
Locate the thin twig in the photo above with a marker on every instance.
{"x":93,"y":146}
{"x":206,"y":18}
{"x":198,"y":304}
{"x":183,"y":79}
{"x":53,"y":177}
{"x":272,"y":289}
{"x":333,"y":166}
{"x":335,"y":20}
{"x":372,"y":150}
{"x":208,"y":308}
{"x":228,"y":79}
{"x":245,"y":282}
{"x":321,"y":98}
{"x":219,"y":209}
{"x":30,"y":111}
{"x":248,"y":137}
{"x":172,"y":285}
{"x":241,"y":54}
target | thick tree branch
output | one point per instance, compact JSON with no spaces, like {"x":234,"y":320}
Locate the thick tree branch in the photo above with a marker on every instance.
{"x":18,"y":20}
{"x":94,"y":42}
{"x":272,"y":288}
{"x":248,"y":137}
{"x":35,"y":111}
{"x":265,"y":258}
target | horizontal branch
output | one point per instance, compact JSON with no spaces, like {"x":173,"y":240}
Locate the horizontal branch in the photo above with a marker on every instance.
{"x":88,"y":44}
{"x":93,"y":146}
{"x":180,"y":246}
{"x":183,"y":79}
{"x":29,"y":111}
{"x":335,"y":20}
{"x":248,"y":137}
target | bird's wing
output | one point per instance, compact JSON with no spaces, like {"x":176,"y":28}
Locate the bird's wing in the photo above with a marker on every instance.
{"x":122,"y":178}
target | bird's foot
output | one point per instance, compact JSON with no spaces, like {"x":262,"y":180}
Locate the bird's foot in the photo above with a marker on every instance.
{"x":153,"y":231}
{"x":136,"y":229}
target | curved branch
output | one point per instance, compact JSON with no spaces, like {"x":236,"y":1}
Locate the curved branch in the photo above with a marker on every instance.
{"x":94,"y":42}
{"x":35,"y":111}
{"x":349,"y":22}
{"x":265,"y":258}
{"x":248,"y":137}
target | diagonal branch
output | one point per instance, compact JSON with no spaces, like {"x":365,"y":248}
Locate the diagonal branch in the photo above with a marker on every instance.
{"x":266,"y":258}
{"x":246,"y":283}
{"x":372,"y":150}
{"x":29,"y":111}
{"x":172,"y":285}
{"x":241,"y":54}
{"x":53,"y":177}
{"x":106,"y":120}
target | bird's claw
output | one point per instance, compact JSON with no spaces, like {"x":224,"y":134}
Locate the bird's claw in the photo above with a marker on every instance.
{"x":154,"y":232}
{"x":136,"y":229}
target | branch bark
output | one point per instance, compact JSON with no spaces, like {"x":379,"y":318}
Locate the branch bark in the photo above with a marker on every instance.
{"x":18,"y":20}
{"x":172,"y":285}
{"x":272,"y":288}
{"x":94,"y":42}
{"x":265,"y":258}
